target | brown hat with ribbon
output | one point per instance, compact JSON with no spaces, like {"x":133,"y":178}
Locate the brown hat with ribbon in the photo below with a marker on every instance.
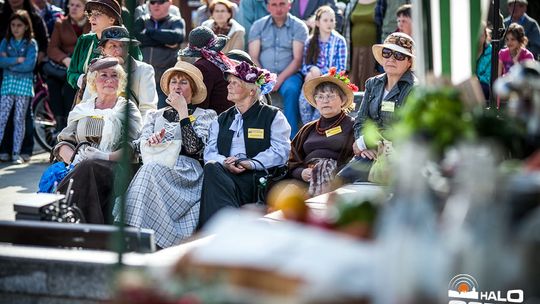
{"x":102,"y":63}
{"x":110,"y":7}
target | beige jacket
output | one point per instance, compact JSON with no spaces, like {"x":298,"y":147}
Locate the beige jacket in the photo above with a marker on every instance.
{"x":236,"y":35}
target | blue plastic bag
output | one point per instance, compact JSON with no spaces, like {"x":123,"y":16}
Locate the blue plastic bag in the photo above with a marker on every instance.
{"x":52,"y":176}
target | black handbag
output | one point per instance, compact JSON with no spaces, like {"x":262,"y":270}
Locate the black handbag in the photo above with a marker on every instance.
{"x":263,"y":183}
{"x":53,"y":69}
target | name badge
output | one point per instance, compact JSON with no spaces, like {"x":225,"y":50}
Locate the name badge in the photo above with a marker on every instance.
{"x":192,"y":118}
{"x":388,"y":106}
{"x":255,"y":133}
{"x":333,"y":131}
{"x":96,"y":117}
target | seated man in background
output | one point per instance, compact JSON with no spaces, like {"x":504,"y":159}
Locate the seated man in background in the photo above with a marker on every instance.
{"x":276,"y":43}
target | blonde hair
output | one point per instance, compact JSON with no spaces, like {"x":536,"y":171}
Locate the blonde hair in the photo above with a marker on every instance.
{"x":122,"y":80}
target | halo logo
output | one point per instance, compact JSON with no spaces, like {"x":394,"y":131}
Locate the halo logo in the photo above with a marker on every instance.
{"x":464,"y":286}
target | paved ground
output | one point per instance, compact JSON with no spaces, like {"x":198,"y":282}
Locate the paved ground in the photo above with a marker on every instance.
{"x":18,"y":181}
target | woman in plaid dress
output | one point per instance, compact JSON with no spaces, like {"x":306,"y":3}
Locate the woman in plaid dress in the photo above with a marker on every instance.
{"x":18,"y":55}
{"x":167,"y":199}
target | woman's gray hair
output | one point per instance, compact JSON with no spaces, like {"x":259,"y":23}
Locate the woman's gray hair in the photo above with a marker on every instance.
{"x":122,"y":80}
{"x":249,"y":86}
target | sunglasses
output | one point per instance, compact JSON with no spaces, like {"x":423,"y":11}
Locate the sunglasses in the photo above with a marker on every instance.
{"x":387,"y":53}
{"x":156,"y":2}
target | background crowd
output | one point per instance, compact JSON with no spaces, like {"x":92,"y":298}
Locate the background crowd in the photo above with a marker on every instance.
{"x":210,"y":96}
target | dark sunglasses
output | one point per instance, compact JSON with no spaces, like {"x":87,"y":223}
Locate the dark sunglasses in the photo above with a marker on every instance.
{"x":387,"y":53}
{"x":156,"y":2}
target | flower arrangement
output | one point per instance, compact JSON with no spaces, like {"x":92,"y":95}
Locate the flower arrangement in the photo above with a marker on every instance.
{"x":343,"y":77}
{"x":261,"y":77}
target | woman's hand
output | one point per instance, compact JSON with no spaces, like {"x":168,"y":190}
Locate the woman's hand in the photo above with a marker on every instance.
{"x":306,"y":174}
{"x":229,"y":164}
{"x":157,"y":137}
{"x":368,"y":153}
{"x":355,"y":149}
{"x":314,"y":72}
{"x":93,"y":153}
{"x":179,"y":103}
{"x":21,"y":59}
{"x":66,"y":153}
{"x":66,"y":61}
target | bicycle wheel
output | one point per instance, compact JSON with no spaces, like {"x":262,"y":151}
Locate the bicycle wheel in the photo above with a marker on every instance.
{"x":44,"y":123}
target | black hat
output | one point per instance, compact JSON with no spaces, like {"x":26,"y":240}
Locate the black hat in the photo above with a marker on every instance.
{"x":111,"y":6}
{"x":202,"y":37}
{"x":116,"y":33}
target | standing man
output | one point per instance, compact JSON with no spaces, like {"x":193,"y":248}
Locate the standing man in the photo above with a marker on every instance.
{"x":276,"y":43}
{"x":249,"y":12}
{"x":532,"y":30}
{"x":160,"y":34}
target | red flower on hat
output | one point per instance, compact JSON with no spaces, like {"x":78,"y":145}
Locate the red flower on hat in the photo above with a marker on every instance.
{"x":343,"y":77}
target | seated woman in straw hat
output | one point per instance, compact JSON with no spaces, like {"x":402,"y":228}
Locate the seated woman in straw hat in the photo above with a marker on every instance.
{"x":384,"y":94}
{"x":166,"y":199}
{"x":325,"y":144}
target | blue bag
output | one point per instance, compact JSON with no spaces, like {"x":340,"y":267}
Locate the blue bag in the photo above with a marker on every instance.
{"x":52,"y":176}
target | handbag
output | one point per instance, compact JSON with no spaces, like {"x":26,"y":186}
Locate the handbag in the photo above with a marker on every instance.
{"x":55,"y":70}
{"x":165,"y":153}
{"x":380,"y":171}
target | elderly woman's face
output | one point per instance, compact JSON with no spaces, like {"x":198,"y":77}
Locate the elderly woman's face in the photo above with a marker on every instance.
{"x":180,"y":85}
{"x":394,"y":62}
{"x":107,"y":81}
{"x":221,"y":14}
{"x":328,"y":102}
{"x":237,"y":91}
{"x":115,"y":48}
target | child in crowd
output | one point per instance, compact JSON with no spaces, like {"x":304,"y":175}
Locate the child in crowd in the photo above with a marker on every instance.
{"x":324,"y":48}
{"x":18,"y":54}
{"x":515,"y":51}
{"x":483,"y":60}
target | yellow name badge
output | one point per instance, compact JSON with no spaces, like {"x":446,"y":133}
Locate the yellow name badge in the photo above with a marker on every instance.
{"x":96,"y":117}
{"x":255,"y":133}
{"x":192,"y":118}
{"x":388,"y":106}
{"x":333,"y":131}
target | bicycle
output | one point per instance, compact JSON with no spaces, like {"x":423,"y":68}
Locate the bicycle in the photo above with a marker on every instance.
{"x":44,"y":122}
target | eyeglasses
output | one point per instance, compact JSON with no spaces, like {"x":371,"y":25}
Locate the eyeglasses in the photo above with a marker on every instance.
{"x":95,"y":14}
{"x":323,"y":97}
{"x":387,"y":53}
{"x":153,"y":2}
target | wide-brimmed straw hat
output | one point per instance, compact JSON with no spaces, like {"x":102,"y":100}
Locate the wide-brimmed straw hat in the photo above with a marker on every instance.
{"x":202,"y":37}
{"x":397,"y":41}
{"x":338,"y":78}
{"x":110,"y":6}
{"x":117,"y":33}
{"x":193,"y":72}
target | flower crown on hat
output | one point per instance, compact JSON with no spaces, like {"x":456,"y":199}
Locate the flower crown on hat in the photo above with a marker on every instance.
{"x":261,"y":77}
{"x":343,"y":77}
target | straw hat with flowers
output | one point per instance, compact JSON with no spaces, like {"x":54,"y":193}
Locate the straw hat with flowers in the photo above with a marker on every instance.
{"x":339,"y":78}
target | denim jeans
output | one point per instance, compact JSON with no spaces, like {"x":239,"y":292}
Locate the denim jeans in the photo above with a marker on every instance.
{"x":290,"y":92}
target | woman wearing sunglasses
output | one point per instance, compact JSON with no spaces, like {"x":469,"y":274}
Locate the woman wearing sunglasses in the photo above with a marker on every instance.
{"x":384,"y":94}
